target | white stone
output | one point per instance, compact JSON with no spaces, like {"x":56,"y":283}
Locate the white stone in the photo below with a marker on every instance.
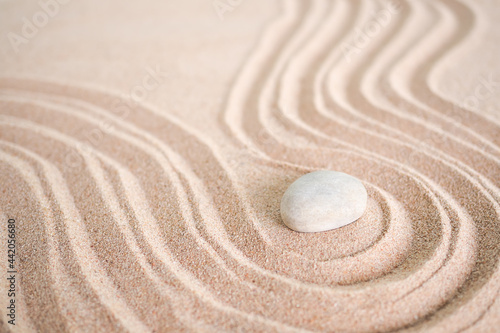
{"x":323,"y":200}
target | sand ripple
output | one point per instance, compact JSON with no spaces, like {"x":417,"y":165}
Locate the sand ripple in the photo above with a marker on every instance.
{"x":148,"y":224}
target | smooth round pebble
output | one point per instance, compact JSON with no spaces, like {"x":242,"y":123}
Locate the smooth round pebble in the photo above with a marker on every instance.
{"x":323,"y":200}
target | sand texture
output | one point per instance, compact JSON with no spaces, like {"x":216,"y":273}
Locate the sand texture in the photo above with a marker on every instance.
{"x":145,"y":147}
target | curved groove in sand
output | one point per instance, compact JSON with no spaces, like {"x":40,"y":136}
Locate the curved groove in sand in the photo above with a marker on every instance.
{"x":183,"y":216}
{"x":147,"y":224}
{"x":266,"y":109}
{"x":90,"y":265}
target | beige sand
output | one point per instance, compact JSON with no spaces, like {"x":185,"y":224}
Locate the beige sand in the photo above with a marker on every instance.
{"x":145,"y":146}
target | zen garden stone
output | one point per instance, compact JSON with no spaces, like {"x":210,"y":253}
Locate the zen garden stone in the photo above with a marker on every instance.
{"x":323,"y":200}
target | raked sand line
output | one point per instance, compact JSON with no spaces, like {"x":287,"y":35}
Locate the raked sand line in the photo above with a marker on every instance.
{"x":88,"y":263}
{"x":177,"y":162}
{"x":149,"y":232}
{"x":161,"y":226}
{"x":495,"y":190}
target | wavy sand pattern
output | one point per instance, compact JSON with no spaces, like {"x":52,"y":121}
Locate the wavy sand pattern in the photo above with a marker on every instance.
{"x":138,"y":219}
